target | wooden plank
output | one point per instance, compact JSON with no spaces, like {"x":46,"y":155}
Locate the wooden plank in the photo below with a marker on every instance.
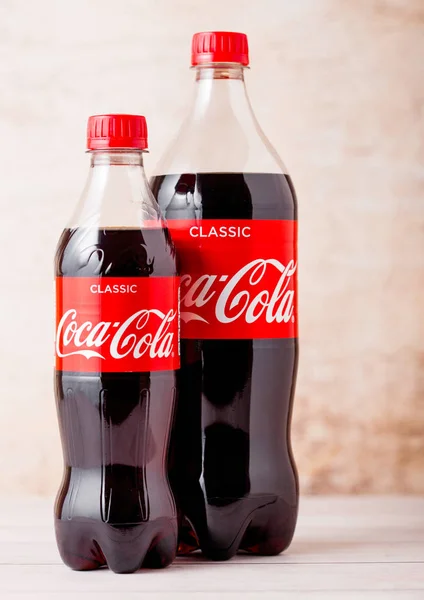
{"x":188,"y":595}
{"x":38,"y":552}
{"x":38,"y":547}
{"x":218,"y":578}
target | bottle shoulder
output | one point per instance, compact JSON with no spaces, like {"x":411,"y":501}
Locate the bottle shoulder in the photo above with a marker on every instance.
{"x":225,"y":196}
{"x":115,"y":252}
{"x":202,"y":150}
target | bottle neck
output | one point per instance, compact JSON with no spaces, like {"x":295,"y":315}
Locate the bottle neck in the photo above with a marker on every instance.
{"x":117,"y":168}
{"x":116,"y":158}
{"x":220,"y":89}
{"x":116,"y":192}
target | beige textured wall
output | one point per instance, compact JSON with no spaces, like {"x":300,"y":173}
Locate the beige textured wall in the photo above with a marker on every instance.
{"x":340,"y":86}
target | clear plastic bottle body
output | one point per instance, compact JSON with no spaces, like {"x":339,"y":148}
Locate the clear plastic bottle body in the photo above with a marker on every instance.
{"x":115,"y":505}
{"x":232,"y":467}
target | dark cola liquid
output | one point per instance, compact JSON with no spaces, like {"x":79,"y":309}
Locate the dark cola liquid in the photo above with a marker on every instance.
{"x":232,"y":469}
{"x":115,"y":506}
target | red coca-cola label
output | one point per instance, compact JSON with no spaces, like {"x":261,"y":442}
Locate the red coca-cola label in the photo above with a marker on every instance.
{"x":117,"y":324}
{"x":239,"y":278}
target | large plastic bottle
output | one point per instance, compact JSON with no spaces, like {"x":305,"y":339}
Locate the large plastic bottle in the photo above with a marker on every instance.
{"x":232,"y":212}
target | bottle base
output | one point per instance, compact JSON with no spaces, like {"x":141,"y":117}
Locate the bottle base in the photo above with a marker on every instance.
{"x":266,"y":529}
{"x":86,"y":545}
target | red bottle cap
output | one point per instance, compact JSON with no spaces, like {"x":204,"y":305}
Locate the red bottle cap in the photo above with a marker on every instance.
{"x":116,"y":131}
{"x":219,"y":47}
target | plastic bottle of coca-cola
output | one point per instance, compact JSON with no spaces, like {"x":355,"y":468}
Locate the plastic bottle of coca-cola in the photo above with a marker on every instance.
{"x":232,"y":212}
{"x":117,"y":349}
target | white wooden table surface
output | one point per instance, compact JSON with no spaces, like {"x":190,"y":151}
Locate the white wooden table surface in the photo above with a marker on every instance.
{"x":355,"y":548}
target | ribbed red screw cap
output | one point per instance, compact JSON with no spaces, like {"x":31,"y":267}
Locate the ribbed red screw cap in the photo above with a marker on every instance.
{"x":116,"y":131}
{"x":219,"y":47}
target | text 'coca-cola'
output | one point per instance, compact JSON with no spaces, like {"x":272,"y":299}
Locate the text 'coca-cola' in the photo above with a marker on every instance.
{"x":239,"y":278}
{"x":117,"y":324}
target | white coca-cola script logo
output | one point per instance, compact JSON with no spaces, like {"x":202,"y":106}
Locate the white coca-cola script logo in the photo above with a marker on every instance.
{"x":246,"y":295}
{"x":121,"y":343}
